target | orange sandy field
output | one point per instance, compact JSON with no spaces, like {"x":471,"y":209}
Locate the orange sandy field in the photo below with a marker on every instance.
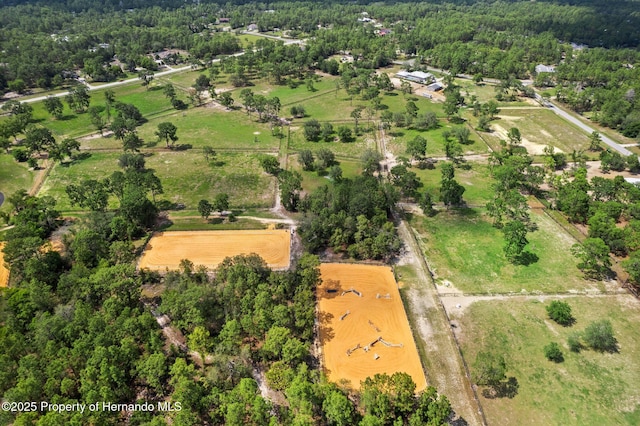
{"x":210,"y":248}
{"x":4,"y":272}
{"x":369,"y":317}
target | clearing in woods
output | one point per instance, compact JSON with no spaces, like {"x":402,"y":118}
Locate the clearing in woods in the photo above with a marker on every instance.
{"x":4,"y":272}
{"x":363,"y":326}
{"x":165,"y":250}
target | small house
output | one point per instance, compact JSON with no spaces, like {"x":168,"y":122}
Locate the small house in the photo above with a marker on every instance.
{"x":416,"y":76}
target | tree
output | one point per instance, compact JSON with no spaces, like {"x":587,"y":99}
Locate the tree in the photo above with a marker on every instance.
{"x":221,"y":202}
{"x":370,"y":160}
{"x":305,"y":158}
{"x":426,"y":204}
{"x":205,"y":208}
{"x":599,"y":336}
{"x":326,"y":158}
{"x":225,"y":99}
{"x":202,"y":83}
{"x":270,"y":164}
{"x":78,"y":99}
{"x":450,"y":190}
{"x":327,"y":132}
{"x":594,"y":141}
{"x":146,"y":76}
{"x":338,"y":409}
{"x":514,"y":136}
{"x":553,"y":352}
{"x":297,"y":111}
{"x":560,"y":312}
{"x":109,"y":99}
{"x":345,"y":134}
{"x":132,"y":142}
{"x":290,"y":187}
{"x":515,"y":235}
{"x":417,"y":147}
{"x":169,"y":91}
{"x":489,"y":369}
{"x":209,"y":153}
{"x":54,"y":106}
{"x":312,"y":130}
{"x":356,"y":114}
{"x":39,"y":139}
{"x":167,"y":131}
{"x":593,"y":254}
{"x":411,"y":109}
{"x":199,"y":341}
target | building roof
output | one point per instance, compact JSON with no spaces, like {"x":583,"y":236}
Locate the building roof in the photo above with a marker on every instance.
{"x":415,"y":75}
{"x":545,"y":68}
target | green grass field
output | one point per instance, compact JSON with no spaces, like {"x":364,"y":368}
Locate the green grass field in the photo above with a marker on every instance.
{"x":311,"y":180}
{"x":540,"y":127}
{"x":588,"y":388}
{"x":477,"y":181}
{"x":185,"y":176}
{"x":13,"y":176}
{"x":464,"y":248}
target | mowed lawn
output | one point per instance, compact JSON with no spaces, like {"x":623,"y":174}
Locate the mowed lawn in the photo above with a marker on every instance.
{"x":186,"y":177}
{"x":464,"y":248}
{"x":476,"y":180}
{"x":13,"y":176}
{"x":397,"y":139}
{"x":311,"y":180}
{"x":588,"y":388}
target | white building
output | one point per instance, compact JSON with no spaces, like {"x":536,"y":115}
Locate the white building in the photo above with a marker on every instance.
{"x":416,"y":76}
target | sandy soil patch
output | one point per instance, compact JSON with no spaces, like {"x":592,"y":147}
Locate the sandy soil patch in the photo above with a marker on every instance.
{"x":4,"y":272}
{"x":532,"y":147}
{"x":375,"y":330}
{"x":165,"y":250}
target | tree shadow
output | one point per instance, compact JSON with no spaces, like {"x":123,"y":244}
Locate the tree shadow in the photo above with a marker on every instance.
{"x":151,"y":144}
{"x":396,"y":134}
{"x":505,"y":389}
{"x":182,"y":147}
{"x":382,"y":107}
{"x":526,"y":258}
{"x":215,"y":220}
{"x":391,"y":94}
{"x":217,"y":163}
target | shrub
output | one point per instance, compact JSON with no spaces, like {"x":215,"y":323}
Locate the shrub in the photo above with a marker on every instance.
{"x":560,"y":312}
{"x":553,"y":353}
{"x":574,"y":342}
{"x":599,"y":336}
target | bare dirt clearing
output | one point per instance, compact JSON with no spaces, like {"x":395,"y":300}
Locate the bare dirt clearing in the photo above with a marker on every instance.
{"x":165,"y":250}
{"x":363,"y":326}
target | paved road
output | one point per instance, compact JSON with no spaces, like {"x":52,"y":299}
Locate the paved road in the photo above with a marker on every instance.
{"x":570,"y":118}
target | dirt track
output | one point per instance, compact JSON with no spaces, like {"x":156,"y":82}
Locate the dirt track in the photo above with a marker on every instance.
{"x":4,"y":272}
{"x":376,"y":313}
{"x":165,"y":250}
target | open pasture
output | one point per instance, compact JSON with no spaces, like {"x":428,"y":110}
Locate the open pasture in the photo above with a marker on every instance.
{"x":539,"y":127}
{"x":588,"y":388}
{"x":4,"y":272}
{"x":465,"y":249}
{"x":366,"y":331}
{"x":165,"y":250}
{"x":186,"y":178}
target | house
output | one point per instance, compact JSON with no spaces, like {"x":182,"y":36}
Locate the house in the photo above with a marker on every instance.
{"x":224,"y":20}
{"x":252,"y":27}
{"x":383,"y":32}
{"x":416,"y":76}
{"x":545,"y":68}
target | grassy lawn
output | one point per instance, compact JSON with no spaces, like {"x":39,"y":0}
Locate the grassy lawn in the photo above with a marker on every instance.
{"x":13,"y":176}
{"x":291,"y":96}
{"x":464,"y":248}
{"x":185,"y":176}
{"x":477,"y":182}
{"x":588,"y":388}
{"x":213,"y":224}
{"x":540,"y":127}
{"x":349,"y":150}
{"x":311,"y":180}
{"x":181,"y":80}
{"x":398,"y":138}
{"x":216,"y":127}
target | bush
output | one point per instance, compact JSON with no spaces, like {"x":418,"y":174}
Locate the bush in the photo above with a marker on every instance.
{"x":560,"y":312}
{"x":21,"y":155}
{"x":574,"y":342}
{"x":599,"y":336}
{"x":553,"y":353}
